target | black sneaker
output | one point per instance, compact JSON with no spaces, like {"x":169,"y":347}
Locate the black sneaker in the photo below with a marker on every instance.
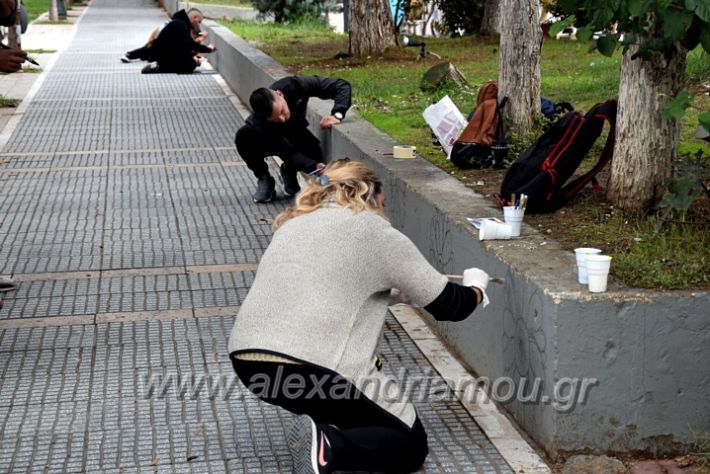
{"x":7,"y":284}
{"x":265,"y":189}
{"x":291,"y":187}
{"x":310,"y":449}
{"x":125,"y":59}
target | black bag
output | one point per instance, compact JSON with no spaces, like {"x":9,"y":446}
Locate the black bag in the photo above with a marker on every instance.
{"x":543,"y":169}
{"x":472,"y":155}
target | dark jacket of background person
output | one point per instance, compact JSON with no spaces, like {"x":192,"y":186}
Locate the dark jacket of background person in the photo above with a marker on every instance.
{"x":292,"y":141}
{"x":174,"y":49}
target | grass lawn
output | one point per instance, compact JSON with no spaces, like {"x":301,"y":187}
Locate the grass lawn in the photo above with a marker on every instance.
{"x":386,"y":93}
{"x":35,"y":8}
{"x":5,"y":102}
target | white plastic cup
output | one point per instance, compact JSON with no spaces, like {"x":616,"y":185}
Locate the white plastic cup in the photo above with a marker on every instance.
{"x":492,"y":230}
{"x":581,"y":254}
{"x":514,"y":217}
{"x":597,"y":272}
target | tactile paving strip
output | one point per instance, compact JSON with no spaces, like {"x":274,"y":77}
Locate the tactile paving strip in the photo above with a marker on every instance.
{"x":165,"y":390}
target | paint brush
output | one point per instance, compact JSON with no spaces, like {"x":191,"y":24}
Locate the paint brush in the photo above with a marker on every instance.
{"x":500,"y":280}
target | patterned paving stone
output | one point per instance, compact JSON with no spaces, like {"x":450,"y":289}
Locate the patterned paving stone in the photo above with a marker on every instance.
{"x":126,"y":180}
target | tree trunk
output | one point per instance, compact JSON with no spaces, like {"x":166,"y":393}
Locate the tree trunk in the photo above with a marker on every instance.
{"x":490,"y":24}
{"x":519,"y":78}
{"x":53,"y":11}
{"x":371,"y":27}
{"x":646,"y":144}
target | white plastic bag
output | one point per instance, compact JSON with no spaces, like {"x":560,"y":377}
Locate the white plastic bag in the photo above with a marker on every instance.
{"x":446,"y":121}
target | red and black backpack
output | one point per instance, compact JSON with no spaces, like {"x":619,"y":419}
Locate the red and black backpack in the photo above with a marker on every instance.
{"x":543,"y":169}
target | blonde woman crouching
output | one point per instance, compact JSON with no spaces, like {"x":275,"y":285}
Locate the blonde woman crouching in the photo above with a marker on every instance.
{"x":307,"y":333}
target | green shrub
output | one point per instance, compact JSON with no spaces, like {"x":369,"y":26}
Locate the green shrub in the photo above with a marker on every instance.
{"x":459,"y":15}
{"x":286,"y":11}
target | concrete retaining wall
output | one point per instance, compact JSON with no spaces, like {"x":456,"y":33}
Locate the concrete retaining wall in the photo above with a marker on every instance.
{"x":644,"y":356}
{"x":209,"y":10}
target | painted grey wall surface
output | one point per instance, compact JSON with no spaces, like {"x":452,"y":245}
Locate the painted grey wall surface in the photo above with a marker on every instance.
{"x":648,"y":352}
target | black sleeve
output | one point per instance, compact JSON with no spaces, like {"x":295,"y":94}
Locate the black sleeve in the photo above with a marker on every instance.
{"x":180,"y":34}
{"x":454,"y":303}
{"x":338,"y":90}
{"x":190,"y":44}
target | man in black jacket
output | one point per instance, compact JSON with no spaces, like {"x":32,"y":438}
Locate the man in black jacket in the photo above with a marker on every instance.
{"x":174,"y":48}
{"x":278,"y":127}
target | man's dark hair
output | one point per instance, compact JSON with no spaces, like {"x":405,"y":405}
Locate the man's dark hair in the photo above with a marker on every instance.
{"x":262,"y":102}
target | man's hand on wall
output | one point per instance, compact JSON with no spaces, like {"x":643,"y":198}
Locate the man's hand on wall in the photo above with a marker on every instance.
{"x":328,"y":121}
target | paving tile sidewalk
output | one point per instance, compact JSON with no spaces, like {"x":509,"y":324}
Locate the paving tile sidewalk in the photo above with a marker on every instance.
{"x":128,"y":220}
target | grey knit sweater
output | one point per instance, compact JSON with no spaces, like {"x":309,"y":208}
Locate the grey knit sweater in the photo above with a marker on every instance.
{"x":321,"y":293}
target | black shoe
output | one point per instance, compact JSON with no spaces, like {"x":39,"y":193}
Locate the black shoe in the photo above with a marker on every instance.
{"x":151,"y":69}
{"x":291,"y":187}
{"x":7,"y":284}
{"x":265,"y":189}
{"x":310,"y":449}
{"x":125,"y":59}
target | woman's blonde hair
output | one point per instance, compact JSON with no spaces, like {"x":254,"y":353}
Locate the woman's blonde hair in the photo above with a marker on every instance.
{"x":351,"y":184}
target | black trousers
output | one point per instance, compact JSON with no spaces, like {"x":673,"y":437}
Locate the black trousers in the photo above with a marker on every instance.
{"x":363,"y":436}
{"x":143,"y":53}
{"x":299,"y":149}
{"x":181,"y":65}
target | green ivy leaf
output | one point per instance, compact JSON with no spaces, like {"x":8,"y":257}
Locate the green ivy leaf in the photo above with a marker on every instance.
{"x":607,"y":44}
{"x":584,"y":34}
{"x":568,"y":6}
{"x":704,"y":120}
{"x":675,"y":109}
{"x":700,"y":7}
{"x":675,"y":26}
{"x":557,"y":27}
{"x":681,"y":193}
{"x":635,"y":7}
{"x":602,"y":17}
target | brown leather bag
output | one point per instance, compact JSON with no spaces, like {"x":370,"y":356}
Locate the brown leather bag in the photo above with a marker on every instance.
{"x":481,"y":129}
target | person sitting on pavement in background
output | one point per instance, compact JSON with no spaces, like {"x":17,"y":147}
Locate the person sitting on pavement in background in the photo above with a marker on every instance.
{"x":174,"y":49}
{"x":11,"y":59}
{"x":306,"y":335}
{"x":144,"y":52}
{"x":278,"y":127}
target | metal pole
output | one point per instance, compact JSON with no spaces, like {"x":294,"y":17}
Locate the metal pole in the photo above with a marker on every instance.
{"x":346,"y":16}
